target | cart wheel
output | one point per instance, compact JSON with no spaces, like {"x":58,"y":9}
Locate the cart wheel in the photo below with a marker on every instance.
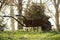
{"x":49,"y":27}
{"x":46,"y":28}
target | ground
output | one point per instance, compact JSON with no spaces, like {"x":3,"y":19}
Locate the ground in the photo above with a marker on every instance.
{"x":24,"y":35}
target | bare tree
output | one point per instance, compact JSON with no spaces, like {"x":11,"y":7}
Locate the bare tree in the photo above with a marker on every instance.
{"x":56,"y":4}
{"x":12,"y":14}
{"x":2,"y":3}
{"x":19,"y":12}
{"x":40,"y":1}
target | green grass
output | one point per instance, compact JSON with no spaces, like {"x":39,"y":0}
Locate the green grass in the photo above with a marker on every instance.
{"x":24,"y":35}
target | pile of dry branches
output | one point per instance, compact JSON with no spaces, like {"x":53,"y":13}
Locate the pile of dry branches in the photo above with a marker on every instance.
{"x":35,"y":12}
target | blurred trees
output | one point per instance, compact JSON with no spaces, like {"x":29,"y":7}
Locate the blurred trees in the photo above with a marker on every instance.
{"x":56,"y":4}
{"x":12,"y":14}
{"x":12,"y":20}
{"x":2,"y":5}
{"x":19,"y":6}
{"x":2,"y":25}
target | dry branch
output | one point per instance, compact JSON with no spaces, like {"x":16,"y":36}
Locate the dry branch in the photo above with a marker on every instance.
{"x":35,"y":12}
{"x":15,"y":19}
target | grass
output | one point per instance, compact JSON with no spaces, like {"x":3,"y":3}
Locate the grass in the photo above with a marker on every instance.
{"x":24,"y":35}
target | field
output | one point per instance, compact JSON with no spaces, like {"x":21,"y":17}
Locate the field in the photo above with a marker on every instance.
{"x":24,"y":35}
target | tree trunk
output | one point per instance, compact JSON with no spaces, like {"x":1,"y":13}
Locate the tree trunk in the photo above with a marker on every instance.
{"x":19,"y":13}
{"x":12,"y":14}
{"x":12,"y":20}
{"x":57,"y":14}
{"x":40,"y":1}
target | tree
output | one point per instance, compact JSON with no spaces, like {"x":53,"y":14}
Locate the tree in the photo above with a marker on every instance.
{"x":19,"y":12}
{"x":2,"y":3}
{"x":57,"y":13}
{"x":12,"y":14}
{"x":56,"y":5}
{"x":2,"y":25}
